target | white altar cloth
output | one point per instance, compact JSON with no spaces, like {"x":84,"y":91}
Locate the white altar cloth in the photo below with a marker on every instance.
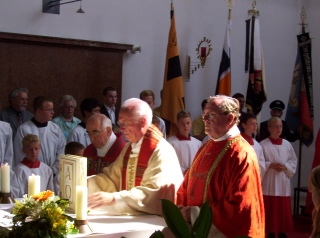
{"x":141,"y":226}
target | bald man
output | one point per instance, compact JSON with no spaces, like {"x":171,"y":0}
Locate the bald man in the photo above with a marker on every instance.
{"x":105,"y":144}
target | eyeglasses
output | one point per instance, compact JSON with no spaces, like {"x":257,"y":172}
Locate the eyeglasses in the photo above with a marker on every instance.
{"x":95,"y":133}
{"x":124,"y":124}
{"x":211,"y":115}
{"x":47,"y":110}
{"x":276,"y":126}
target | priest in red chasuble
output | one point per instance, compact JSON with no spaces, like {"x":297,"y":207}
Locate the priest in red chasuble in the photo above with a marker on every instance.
{"x":105,"y":145}
{"x":146,"y":170}
{"x":225,"y":171}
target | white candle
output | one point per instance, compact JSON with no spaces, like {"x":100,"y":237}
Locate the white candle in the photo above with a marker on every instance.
{"x":5,"y":178}
{"x":81,"y":202}
{"x":33,"y":185}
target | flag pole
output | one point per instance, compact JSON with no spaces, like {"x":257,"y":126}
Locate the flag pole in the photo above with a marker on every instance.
{"x":224,"y":74}
{"x":303,"y":30}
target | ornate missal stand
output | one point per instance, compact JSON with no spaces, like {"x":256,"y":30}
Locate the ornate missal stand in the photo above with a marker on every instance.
{"x":82,"y":226}
{"x":6,"y":198}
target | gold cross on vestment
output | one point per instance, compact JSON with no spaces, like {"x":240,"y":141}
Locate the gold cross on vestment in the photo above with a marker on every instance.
{"x":131,"y":173}
{"x":98,"y":165}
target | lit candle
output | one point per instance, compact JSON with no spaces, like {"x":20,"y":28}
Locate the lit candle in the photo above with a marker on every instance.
{"x":81,"y":202}
{"x":5,"y":178}
{"x":203,"y":51}
{"x":33,"y":185}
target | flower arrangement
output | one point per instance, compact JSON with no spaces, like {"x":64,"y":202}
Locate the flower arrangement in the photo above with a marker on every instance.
{"x":41,"y":215}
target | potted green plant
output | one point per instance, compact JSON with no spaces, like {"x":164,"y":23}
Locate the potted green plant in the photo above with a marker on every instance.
{"x":178,"y":226}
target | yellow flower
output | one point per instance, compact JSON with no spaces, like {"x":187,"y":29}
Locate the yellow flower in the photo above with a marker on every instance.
{"x":43,"y":195}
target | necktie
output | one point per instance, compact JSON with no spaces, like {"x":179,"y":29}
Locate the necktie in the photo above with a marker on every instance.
{"x":20,"y":117}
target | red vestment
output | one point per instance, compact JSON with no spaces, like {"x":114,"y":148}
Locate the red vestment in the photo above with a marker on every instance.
{"x":227,"y":174}
{"x":97,"y":163}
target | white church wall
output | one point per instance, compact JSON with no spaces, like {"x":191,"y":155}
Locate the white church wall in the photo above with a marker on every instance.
{"x":146,"y":23}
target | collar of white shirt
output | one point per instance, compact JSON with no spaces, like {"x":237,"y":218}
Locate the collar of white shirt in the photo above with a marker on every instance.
{"x":135,"y":147}
{"x":109,"y":108}
{"x":104,"y":149}
{"x":231,"y":133}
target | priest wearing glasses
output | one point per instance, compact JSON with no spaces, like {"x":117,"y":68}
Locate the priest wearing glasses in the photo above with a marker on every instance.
{"x":225,"y":172}
{"x":146,"y":170}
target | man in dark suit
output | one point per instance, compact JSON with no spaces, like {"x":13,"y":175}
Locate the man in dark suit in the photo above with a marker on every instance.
{"x":109,"y":102}
{"x":16,"y":114}
{"x":277,"y":108}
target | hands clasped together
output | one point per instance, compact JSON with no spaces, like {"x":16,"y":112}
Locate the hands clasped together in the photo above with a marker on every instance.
{"x":278,"y":167}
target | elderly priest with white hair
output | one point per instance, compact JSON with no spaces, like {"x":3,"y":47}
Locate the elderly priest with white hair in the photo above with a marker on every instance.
{"x":146,"y":170}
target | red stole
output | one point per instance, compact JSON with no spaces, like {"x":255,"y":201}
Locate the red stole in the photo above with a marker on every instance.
{"x":277,"y":141}
{"x":149,"y":143}
{"x":181,"y":137}
{"x":248,"y":138}
{"x":97,"y":163}
{"x":30,"y":164}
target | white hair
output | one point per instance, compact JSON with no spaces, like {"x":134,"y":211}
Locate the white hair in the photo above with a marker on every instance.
{"x":106,"y":122}
{"x":102,"y":119}
{"x":140,"y":108}
{"x":66,"y":98}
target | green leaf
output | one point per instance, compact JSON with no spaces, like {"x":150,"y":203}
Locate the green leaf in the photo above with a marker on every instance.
{"x":157,"y":234}
{"x":43,"y":233}
{"x":174,"y":219}
{"x":4,"y":232}
{"x":19,"y":218}
{"x":243,"y":237}
{"x":68,"y":217}
{"x":73,"y":231}
{"x":203,"y":222}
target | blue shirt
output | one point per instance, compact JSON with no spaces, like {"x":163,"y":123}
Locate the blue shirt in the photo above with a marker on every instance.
{"x":66,"y":126}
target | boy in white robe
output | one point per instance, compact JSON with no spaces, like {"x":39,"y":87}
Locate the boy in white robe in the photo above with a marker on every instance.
{"x":249,"y":126}
{"x":50,"y":134}
{"x":31,"y":165}
{"x":6,"y":149}
{"x":185,"y":145}
{"x":281,"y":163}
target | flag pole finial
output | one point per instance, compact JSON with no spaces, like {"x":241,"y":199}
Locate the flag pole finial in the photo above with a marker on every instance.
{"x":303,"y":17}
{"x":230,"y":4}
{"x":253,"y":11}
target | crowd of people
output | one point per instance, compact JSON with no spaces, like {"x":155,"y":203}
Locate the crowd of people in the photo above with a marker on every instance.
{"x":221,"y":156}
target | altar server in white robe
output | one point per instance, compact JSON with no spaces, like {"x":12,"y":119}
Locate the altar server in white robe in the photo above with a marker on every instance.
{"x":29,"y":166}
{"x":185,"y":145}
{"x":249,"y":126}
{"x":146,"y":170}
{"x":50,"y":134}
{"x":6,"y":150}
{"x":281,"y":163}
